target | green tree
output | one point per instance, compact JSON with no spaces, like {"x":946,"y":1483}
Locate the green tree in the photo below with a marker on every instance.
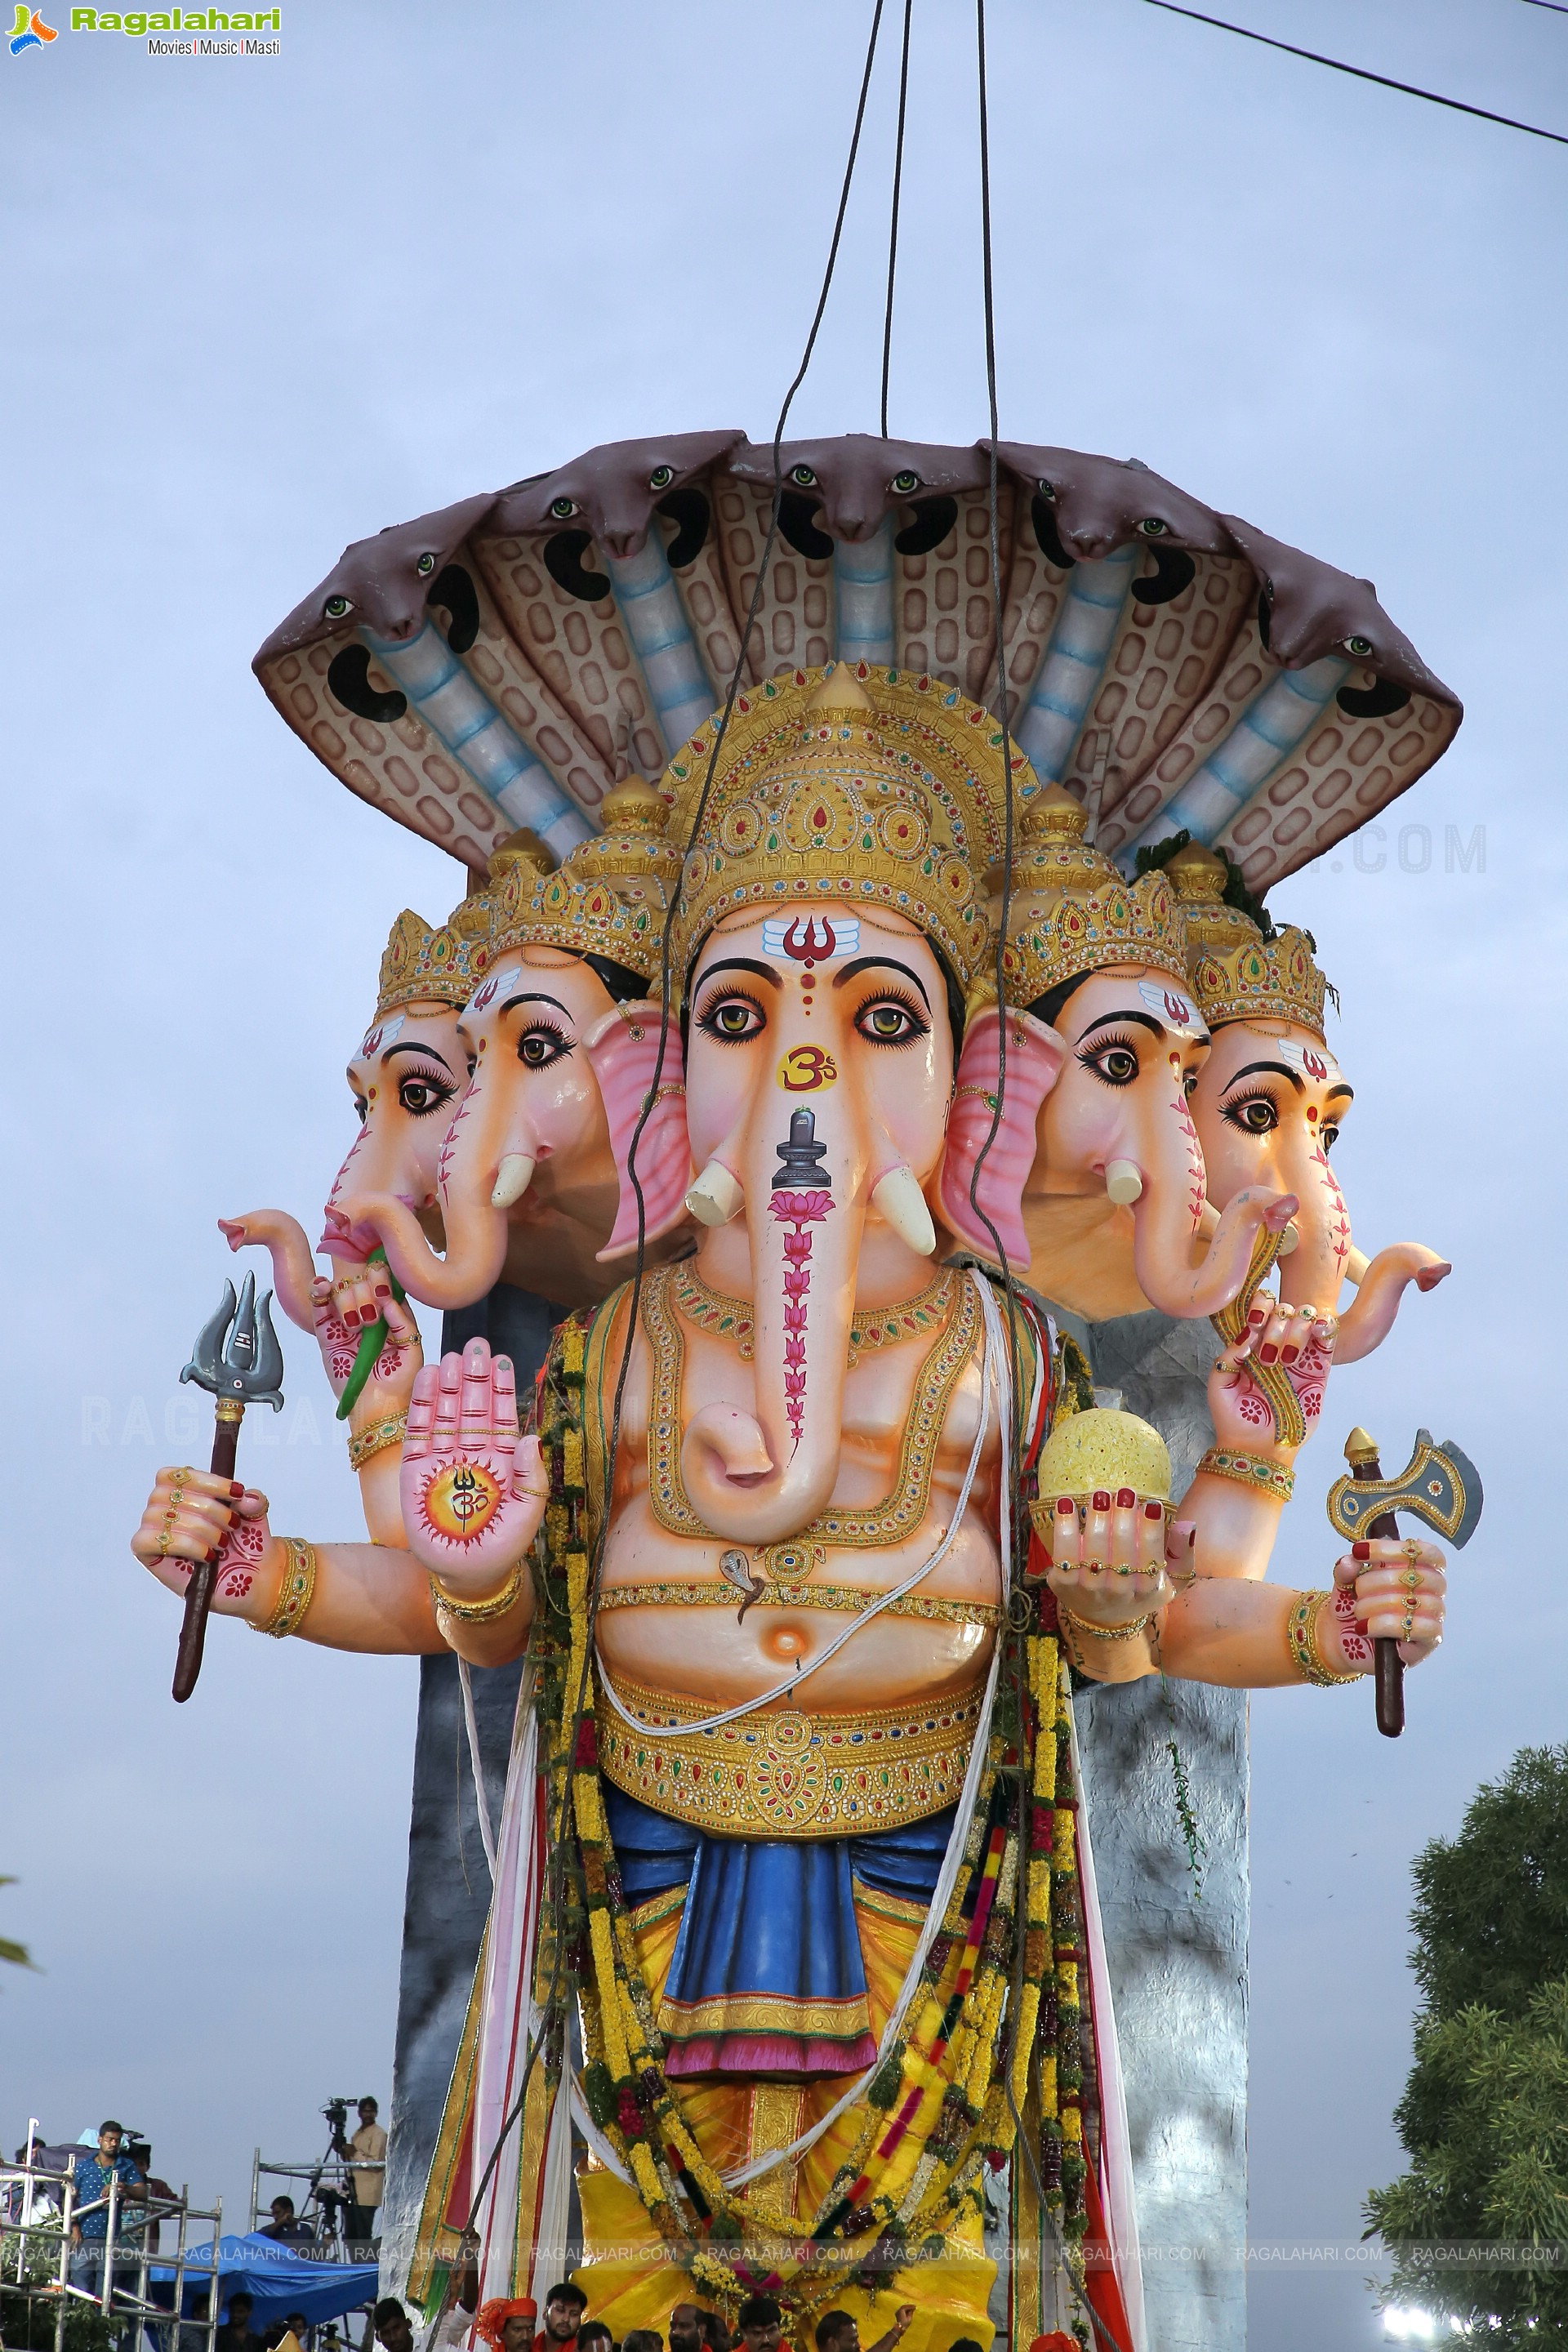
{"x":1485,"y":2112}
{"x":15,"y":1953}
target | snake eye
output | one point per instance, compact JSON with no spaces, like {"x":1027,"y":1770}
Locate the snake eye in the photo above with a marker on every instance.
{"x":1153,"y":528}
{"x":426,"y":565}
{"x":661,"y":477}
{"x":803,"y":476}
{"x":1048,"y":490}
{"x":1359,"y":648}
{"x":336,"y":607}
{"x":906,"y":482}
{"x":563,"y":510}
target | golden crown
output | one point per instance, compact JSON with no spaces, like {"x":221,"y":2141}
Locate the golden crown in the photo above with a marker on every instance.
{"x":441,"y":966}
{"x":1236,"y":972}
{"x":608,"y":898}
{"x":1072,"y":912}
{"x":847,"y":783}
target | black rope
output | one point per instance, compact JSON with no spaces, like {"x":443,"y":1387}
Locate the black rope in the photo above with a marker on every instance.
{"x":893,"y":223}
{"x":1558,"y":8}
{"x":1384,"y":81}
{"x":557,"y":1845}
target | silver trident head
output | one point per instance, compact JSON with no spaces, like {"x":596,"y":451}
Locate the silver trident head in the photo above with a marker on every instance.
{"x":238,"y":1355}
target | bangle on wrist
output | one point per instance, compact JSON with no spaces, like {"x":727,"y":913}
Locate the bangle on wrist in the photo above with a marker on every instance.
{"x":297,"y":1590}
{"x":480,"y":1612}
{"x":1124,"y":1633}
{"x":364,"y":1444}
{"x":1302,"y":1641}
{"x":1250,"y":1470}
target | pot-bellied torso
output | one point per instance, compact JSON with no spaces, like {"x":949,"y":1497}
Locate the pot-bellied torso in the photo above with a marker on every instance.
{"x":676,"y":1616}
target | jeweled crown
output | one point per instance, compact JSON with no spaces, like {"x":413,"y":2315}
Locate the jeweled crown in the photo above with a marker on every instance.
{"x":1072,"y":912}
{"x":425,"y":963}
{"x":608,"y":898}
{"x":1234,"y":971}
{"x":857,"y":784}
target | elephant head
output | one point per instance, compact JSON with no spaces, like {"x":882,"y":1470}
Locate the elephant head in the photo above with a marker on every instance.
{"x":410,"y":1069}
{"x":1095,"y":1155}
{"x":528,"y":1176}
{"x":826,"y":929}
{"x":1271,"y":1100}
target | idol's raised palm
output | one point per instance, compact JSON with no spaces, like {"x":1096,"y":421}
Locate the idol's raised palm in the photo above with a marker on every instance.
{"x":473,"y":1490}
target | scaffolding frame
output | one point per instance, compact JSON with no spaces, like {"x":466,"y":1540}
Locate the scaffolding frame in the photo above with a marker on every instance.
{"x":39,"y":2208}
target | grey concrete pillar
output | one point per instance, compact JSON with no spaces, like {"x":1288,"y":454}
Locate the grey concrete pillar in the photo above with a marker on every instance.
{"x":1178,"y":1964}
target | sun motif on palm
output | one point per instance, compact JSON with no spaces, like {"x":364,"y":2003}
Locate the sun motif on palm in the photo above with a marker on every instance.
{"x":460,"y":1501}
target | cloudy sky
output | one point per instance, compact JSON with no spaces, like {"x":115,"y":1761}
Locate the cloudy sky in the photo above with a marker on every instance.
{"x":253,"y":312}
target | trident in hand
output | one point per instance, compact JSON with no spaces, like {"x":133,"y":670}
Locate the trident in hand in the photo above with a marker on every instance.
{"x":239,"y":1361}
{"x":1440,"y":1484}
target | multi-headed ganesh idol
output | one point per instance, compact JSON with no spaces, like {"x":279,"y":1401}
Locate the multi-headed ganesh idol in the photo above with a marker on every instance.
{"x":798,"y":1782}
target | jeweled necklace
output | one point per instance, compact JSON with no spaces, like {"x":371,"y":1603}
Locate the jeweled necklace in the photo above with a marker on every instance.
{"x":873,"y":1327}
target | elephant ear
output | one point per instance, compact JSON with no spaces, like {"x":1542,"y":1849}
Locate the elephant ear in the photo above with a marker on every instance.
{"x":624,"y":1049}
{"x":1035,"y":1054}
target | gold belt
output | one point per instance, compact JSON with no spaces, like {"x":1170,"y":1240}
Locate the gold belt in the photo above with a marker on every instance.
{"x":849,"y":1600}
{"x":784,"y":1773}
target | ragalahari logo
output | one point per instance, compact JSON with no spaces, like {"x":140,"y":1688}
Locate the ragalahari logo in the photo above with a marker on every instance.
{"x":30,"y":32}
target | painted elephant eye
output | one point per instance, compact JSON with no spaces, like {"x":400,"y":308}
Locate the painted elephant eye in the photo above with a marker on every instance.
{"x":563,"y":510}
{"x":426,"y":565}
{"x":891,"y":1021}
{"x":731,"y":1018}
{"x":661,"y":477}
{"x":803,"y":476}
{"x":1113,"y":1060}
{"x":1153,"y":528}
{"x":360,"y":1108}
{"x":1328,"y":1135}
{"x":336,"y":608}
{"x":420,"y":1094}
{"x":907,"y":482}
{"x":1048,"y":490}
{"x":1256,"y":1114}
{"x":542,"y":1043}
{"x":1359,"y":648}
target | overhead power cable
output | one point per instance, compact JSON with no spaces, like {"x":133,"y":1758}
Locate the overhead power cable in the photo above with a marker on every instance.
{"x":1361,"y":73}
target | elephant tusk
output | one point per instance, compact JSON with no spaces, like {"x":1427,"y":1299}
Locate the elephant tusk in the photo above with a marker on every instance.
{"x":716,"y":1196}
{"x":1356,"y":1266}
{"x":513,"y":1177}
{"x":1288,"y":1240}
{"x":1123,"y":1182}
{"x":899,"y":1201}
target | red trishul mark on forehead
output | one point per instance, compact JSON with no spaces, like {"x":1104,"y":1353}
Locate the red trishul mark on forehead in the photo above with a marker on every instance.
{"x":811,"y":943}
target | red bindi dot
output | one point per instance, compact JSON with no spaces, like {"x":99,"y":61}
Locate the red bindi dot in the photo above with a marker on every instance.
{"x":1312,"y":1112}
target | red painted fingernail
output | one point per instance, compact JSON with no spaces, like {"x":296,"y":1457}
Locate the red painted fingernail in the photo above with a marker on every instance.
{"x":210,"y":1556}
{"x":1153,"y":1510}
{"x":1066,"y":1507}
{"x":1289,"y":1355}
{"x":1267,"y":1355}
{"x":236,"y":1489}
{"x":1101,"y":1499}
{"x":1256,"y":1316}
{"x":1361,"y":1551}
{"x":1192,"y":1538}
{"x":384,"y":1290}
{"x":1125,"y":1498}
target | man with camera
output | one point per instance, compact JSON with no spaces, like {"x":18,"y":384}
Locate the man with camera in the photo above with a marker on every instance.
{"x":365,"y":2154}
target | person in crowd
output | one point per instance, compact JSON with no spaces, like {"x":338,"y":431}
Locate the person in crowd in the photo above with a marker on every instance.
{"x":595,"y":2337}
{"x":761,"y":2324}
{"x":366,"y":2154}
{"x":93,"y":2173}
{"x":293,"y":2324}
{"x":508,"y":2325}
{"x":715,"y":2334}
{"x":688,"y":2329}
{"x":237,"y":2335}
{"x":837,"y":2332}
{"x":394,"y":2328}
{"x":973,"y":2343}
{"x":642,"y":2339}
{"x":564,"y":2309}
{"x":286,"y":2226}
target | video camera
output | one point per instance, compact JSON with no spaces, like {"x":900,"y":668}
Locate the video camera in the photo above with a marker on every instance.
{"x":336,"y":2112}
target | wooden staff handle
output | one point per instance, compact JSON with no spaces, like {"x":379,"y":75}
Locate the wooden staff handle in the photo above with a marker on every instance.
{"x":204,"y":1577}
{"x":1388,"y":1673}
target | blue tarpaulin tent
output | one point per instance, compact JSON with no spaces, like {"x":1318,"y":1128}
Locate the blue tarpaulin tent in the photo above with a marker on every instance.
{"x":280,"y":2279}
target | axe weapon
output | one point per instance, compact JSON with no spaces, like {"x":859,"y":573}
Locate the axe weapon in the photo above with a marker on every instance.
{"x":1440,"y":1484}
{"x":236,"y":1360}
